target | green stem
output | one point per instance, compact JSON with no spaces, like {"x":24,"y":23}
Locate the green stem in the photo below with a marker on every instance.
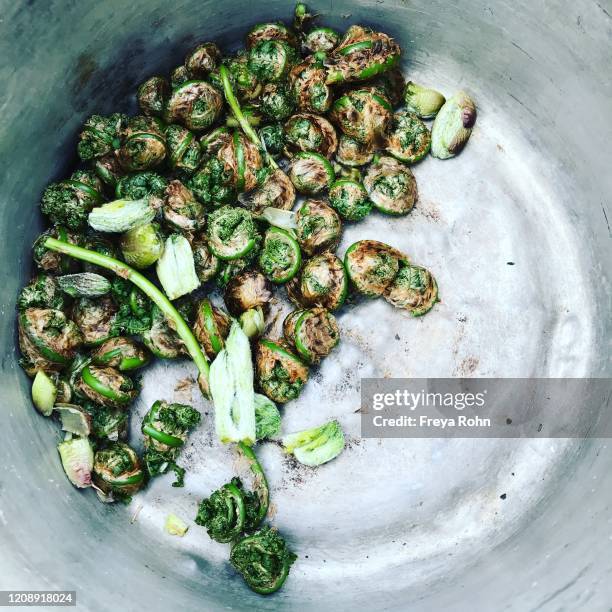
{"x":232,"y":491}
{"x":160,"y":436}
{"x":237,"y":111}
{"x":149,"y":289}
{"x":150,"y":430}
{"x":259,"y":480}
{"x":123,"y":482}
{"x":105,"y":391}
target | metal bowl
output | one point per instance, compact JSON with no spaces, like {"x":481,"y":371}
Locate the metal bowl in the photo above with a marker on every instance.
{"x":516,"y":230}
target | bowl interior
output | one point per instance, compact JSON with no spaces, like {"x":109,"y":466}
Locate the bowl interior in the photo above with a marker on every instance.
{"x":515,"y":230}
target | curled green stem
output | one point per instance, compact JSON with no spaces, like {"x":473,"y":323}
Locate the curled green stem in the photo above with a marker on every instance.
{"x":239,"y":115}
{"x":104,"y":390}
{"x":150,"y":290}
{"x":260,"y":483}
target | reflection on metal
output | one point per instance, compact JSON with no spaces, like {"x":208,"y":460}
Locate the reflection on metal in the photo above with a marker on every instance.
{"x":512,"y":229}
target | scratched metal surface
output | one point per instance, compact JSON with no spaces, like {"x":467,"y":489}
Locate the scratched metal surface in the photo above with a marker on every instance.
{"x":415,"y":524}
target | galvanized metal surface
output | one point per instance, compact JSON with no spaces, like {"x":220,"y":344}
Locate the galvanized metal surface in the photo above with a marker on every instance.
{"x":399,"y":524}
